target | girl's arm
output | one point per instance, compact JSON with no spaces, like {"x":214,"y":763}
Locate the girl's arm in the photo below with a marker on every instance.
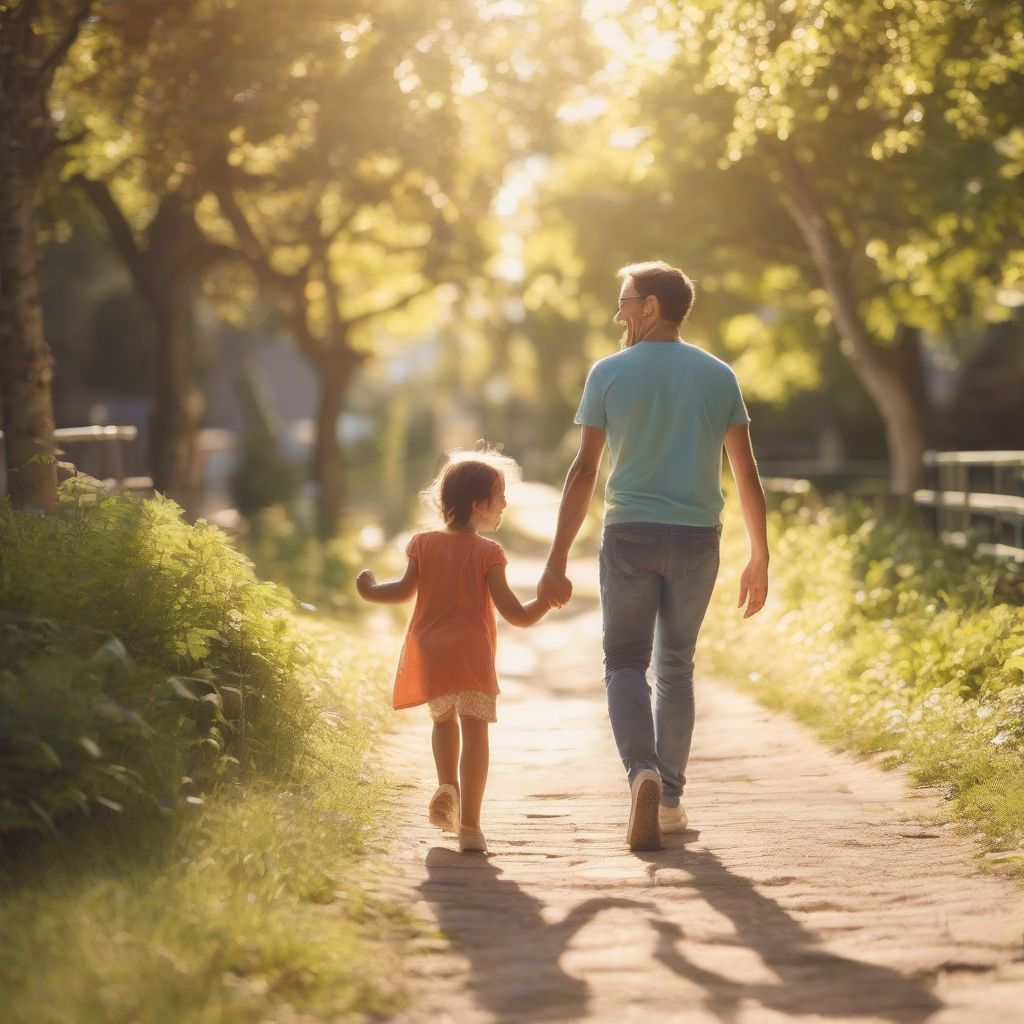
{"x":512,"y":610}
{"x":394,"y":592}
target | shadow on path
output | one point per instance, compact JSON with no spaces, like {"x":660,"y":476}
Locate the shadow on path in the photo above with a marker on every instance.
{"x":512,"y":951}
{"x":810,"y":979}
{"x":514,"y":954}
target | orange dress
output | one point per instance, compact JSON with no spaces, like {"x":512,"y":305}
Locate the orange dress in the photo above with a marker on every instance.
{"x":452,"y":637}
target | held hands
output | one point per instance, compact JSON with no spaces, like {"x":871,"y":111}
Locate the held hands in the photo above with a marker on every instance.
{"x":753,"y":587}
{"x":365,"y":583}
{"x":554,"y":588}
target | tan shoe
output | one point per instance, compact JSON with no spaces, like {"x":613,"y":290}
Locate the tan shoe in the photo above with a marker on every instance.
{"x":471,"y":840}
{"x":444,"y":808}
{"x":644,"y":831}
{"x":672,"y":819}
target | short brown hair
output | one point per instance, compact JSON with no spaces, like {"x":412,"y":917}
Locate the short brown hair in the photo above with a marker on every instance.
{"x":468,"y":477}
{"x":462,"y":485}
{"x":669,"y":285}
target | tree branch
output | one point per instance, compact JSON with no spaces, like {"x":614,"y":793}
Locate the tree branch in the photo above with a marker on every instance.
{"x":252,"y":248}
{"x":392,"y":307}
{"x":59,"y":52}
{"x":329,"y":237}
{"x":117,"y":224}
{"x":293,"y":286}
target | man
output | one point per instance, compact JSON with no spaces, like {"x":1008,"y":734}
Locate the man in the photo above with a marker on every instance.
{"x":665,"y":409}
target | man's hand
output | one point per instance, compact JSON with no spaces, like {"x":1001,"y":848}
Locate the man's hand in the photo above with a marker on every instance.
{"x":753,"y":587}
{"x":365,"y":582}
{"x":554,"y":588}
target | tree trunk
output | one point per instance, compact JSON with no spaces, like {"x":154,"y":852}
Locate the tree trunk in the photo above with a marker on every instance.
{"x":165,"y":264}
{"x":328,"y":471}
{"x":178,"y":404}
{"x":879,"y":371}
{"x":26,"y":365}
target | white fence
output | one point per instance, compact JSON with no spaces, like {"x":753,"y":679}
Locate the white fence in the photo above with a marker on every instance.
{"x":978,"y":500}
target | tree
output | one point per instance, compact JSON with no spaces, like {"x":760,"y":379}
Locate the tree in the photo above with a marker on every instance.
{"x":167,"y":261}
{"x":131,"y":92}
{"x":34,"y":41}
{"x":870,"y":151}
{"x":354,"y":152}
{"x":381,"y":187}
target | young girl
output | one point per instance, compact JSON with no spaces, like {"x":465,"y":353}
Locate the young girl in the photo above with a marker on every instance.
{"x":447,"y":661}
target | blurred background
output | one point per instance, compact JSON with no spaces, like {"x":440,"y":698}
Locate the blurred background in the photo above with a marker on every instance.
{"x":304,"y":248}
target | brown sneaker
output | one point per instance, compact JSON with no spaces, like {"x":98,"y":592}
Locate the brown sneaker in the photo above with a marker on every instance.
{"x":444,"y":808}
{"x":644,"y":830}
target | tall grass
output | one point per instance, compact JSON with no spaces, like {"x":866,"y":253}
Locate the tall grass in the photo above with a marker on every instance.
{"x":888,"y":641}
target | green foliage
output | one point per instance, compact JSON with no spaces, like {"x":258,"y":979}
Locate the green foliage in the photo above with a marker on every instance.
{"x":251,"y":906}
{"x":262,"y":476}
{"x":889,"y":641}
{"x":288,"y":551}
{"x":137,"y":649}
{"x":832,"y":173}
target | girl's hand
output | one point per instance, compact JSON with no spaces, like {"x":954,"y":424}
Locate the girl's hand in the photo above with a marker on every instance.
{"x":554,"y":588}
{"x":365,"y":582}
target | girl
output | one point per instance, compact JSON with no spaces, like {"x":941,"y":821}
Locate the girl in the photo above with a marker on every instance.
{"x":447,"y":661}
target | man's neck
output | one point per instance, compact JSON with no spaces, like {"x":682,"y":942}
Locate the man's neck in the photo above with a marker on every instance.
{"x":661,"y":330}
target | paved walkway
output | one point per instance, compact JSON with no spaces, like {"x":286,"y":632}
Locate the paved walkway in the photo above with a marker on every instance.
{"x":811,"y":885}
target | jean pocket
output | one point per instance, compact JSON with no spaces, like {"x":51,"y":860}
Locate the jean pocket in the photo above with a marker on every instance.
{"x":704,"y":551}
{"x":633,"y":553}
{"x":703,"y":542}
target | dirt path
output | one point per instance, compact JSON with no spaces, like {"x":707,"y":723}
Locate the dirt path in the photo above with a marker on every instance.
{"x":810,"y":886}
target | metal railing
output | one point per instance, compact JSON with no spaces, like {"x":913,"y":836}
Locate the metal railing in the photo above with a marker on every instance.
{"x":977,"y":500}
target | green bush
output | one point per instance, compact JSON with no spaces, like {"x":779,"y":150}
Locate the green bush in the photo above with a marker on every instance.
{"x":888,"y":641}
{"x":320,"y":572}
{"x":142,"y":659}
{"x":262,"y":476}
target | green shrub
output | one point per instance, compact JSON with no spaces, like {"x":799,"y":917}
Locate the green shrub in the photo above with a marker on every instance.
{"x":285,"y":549}
{"x":262,"y":476}
{"x":256,"y":905}
{"x":888,"y":641}
{"x":141,"y":656}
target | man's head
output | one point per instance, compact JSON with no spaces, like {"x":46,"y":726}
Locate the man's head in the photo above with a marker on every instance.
{"x":654,"y":298}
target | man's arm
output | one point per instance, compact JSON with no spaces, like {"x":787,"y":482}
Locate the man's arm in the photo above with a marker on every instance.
{"x":576,"y":496}
{"x":754,"y":581}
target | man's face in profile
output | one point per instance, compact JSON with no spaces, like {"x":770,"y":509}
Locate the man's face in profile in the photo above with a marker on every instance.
{"x":630,"y":312}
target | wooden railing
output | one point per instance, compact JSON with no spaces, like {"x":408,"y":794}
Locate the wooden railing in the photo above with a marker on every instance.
{"x":865,"y":479}
{"x":107,"y":463}
{"x":977,"y":500}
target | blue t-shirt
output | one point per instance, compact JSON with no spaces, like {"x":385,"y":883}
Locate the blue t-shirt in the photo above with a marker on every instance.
{"x":664,"y":407}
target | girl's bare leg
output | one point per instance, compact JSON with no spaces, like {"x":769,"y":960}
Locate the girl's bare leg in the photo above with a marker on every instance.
{"x":445,"y":743}
{"x":473,"y":769}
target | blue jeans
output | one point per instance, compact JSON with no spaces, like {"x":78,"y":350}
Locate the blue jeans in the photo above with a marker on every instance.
{"x":656,"y":582}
